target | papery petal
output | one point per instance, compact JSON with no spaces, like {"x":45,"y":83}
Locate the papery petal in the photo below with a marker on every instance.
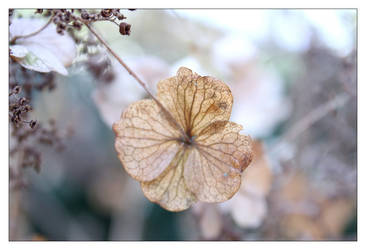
{"x":169,"y":190}
{"x":146,"y":143}
{"x":213,"y":168}
{"x":195,"y":101}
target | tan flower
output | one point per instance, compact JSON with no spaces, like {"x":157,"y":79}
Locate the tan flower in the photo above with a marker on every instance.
{"x":177,"y":168}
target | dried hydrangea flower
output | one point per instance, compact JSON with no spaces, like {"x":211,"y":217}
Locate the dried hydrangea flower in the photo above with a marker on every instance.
{"x":176,"y":169}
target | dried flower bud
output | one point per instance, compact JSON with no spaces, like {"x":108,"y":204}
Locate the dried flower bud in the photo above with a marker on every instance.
{"x":77,"y":25}
{"x":32,"y":123}
{"x":85,"y":15}
{"x":61,"y":25}
{"x":67,"y":17}
{"x":27,"y":108}
{"x":106,"y":12}
{"x":56,"y":20}
{"x":60,"y":31}
{"x":17,"y":89}
{"x":23,"y":101}
{"x":124,"y":28}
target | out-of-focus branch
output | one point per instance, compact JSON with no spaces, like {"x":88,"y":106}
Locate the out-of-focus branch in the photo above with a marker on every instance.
{"x":316,"y":115}
{"x":311,"y":118}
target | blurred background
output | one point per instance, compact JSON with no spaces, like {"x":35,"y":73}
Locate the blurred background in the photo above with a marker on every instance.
{"x":293,"y":77}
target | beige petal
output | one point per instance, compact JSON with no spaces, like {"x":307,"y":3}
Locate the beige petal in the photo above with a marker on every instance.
{"x":195,"y":101}
{"x":213,"y":168}
{"x":169,"y":189}
{"x":146,"y":143}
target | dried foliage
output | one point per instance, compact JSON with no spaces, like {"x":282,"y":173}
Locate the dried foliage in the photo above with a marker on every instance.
{"x":204,"y":163}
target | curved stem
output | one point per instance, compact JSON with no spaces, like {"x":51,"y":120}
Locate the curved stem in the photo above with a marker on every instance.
{"x":143,"y":85}
{"x":12,"y":41}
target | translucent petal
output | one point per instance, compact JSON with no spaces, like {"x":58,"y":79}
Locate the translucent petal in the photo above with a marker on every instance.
{"x":146,"y":143}
{"x":195,"y":101}
{"x":169,"y":189}
{"x":213,"y":168}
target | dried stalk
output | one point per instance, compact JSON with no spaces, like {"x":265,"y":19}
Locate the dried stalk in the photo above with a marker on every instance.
{"x":133,"y":74}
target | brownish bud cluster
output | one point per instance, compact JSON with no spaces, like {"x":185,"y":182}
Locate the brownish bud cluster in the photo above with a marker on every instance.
{"x":104,"y":14}
{"x":18,"y":107}
{"x":65,"y":19}
{"x":27,"y":142}
{"x":125,"y":28}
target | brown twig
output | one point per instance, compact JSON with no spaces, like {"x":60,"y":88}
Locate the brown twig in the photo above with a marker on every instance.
{"x":12,"y":41}
{"x":143,"y":85}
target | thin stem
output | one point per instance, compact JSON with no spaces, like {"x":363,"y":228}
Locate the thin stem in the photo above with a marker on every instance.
{"x":169,"y":115}
{"x":33,"y":33}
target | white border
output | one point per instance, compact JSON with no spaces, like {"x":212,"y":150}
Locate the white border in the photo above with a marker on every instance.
{"x":181,"y":4}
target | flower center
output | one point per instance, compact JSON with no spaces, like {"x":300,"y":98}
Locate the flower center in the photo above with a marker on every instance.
{"x":190,"y":138}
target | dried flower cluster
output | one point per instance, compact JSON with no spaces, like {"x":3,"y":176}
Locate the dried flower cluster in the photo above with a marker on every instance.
{"x":25,"y":140}
{"x":18,"y":108}
{"x":25,"y":151}
{"x":69,"y":19}
{"x":175,"y":169}
{"x":35,"y":51}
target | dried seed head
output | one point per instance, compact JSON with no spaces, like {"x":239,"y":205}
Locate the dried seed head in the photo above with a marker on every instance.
{"x":77,"y":25}
{"x":106,"y":12}
{"x":23,"y":101}
{"x":17,"y":89}
{"x":60,"y":31}
{"x":27,"y":108}
{"x":125,"y":28}
{"x":85,"y":15}
{"x":56,"y":20}
{"x":61,"y":26}
{"x":32,"y":123}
